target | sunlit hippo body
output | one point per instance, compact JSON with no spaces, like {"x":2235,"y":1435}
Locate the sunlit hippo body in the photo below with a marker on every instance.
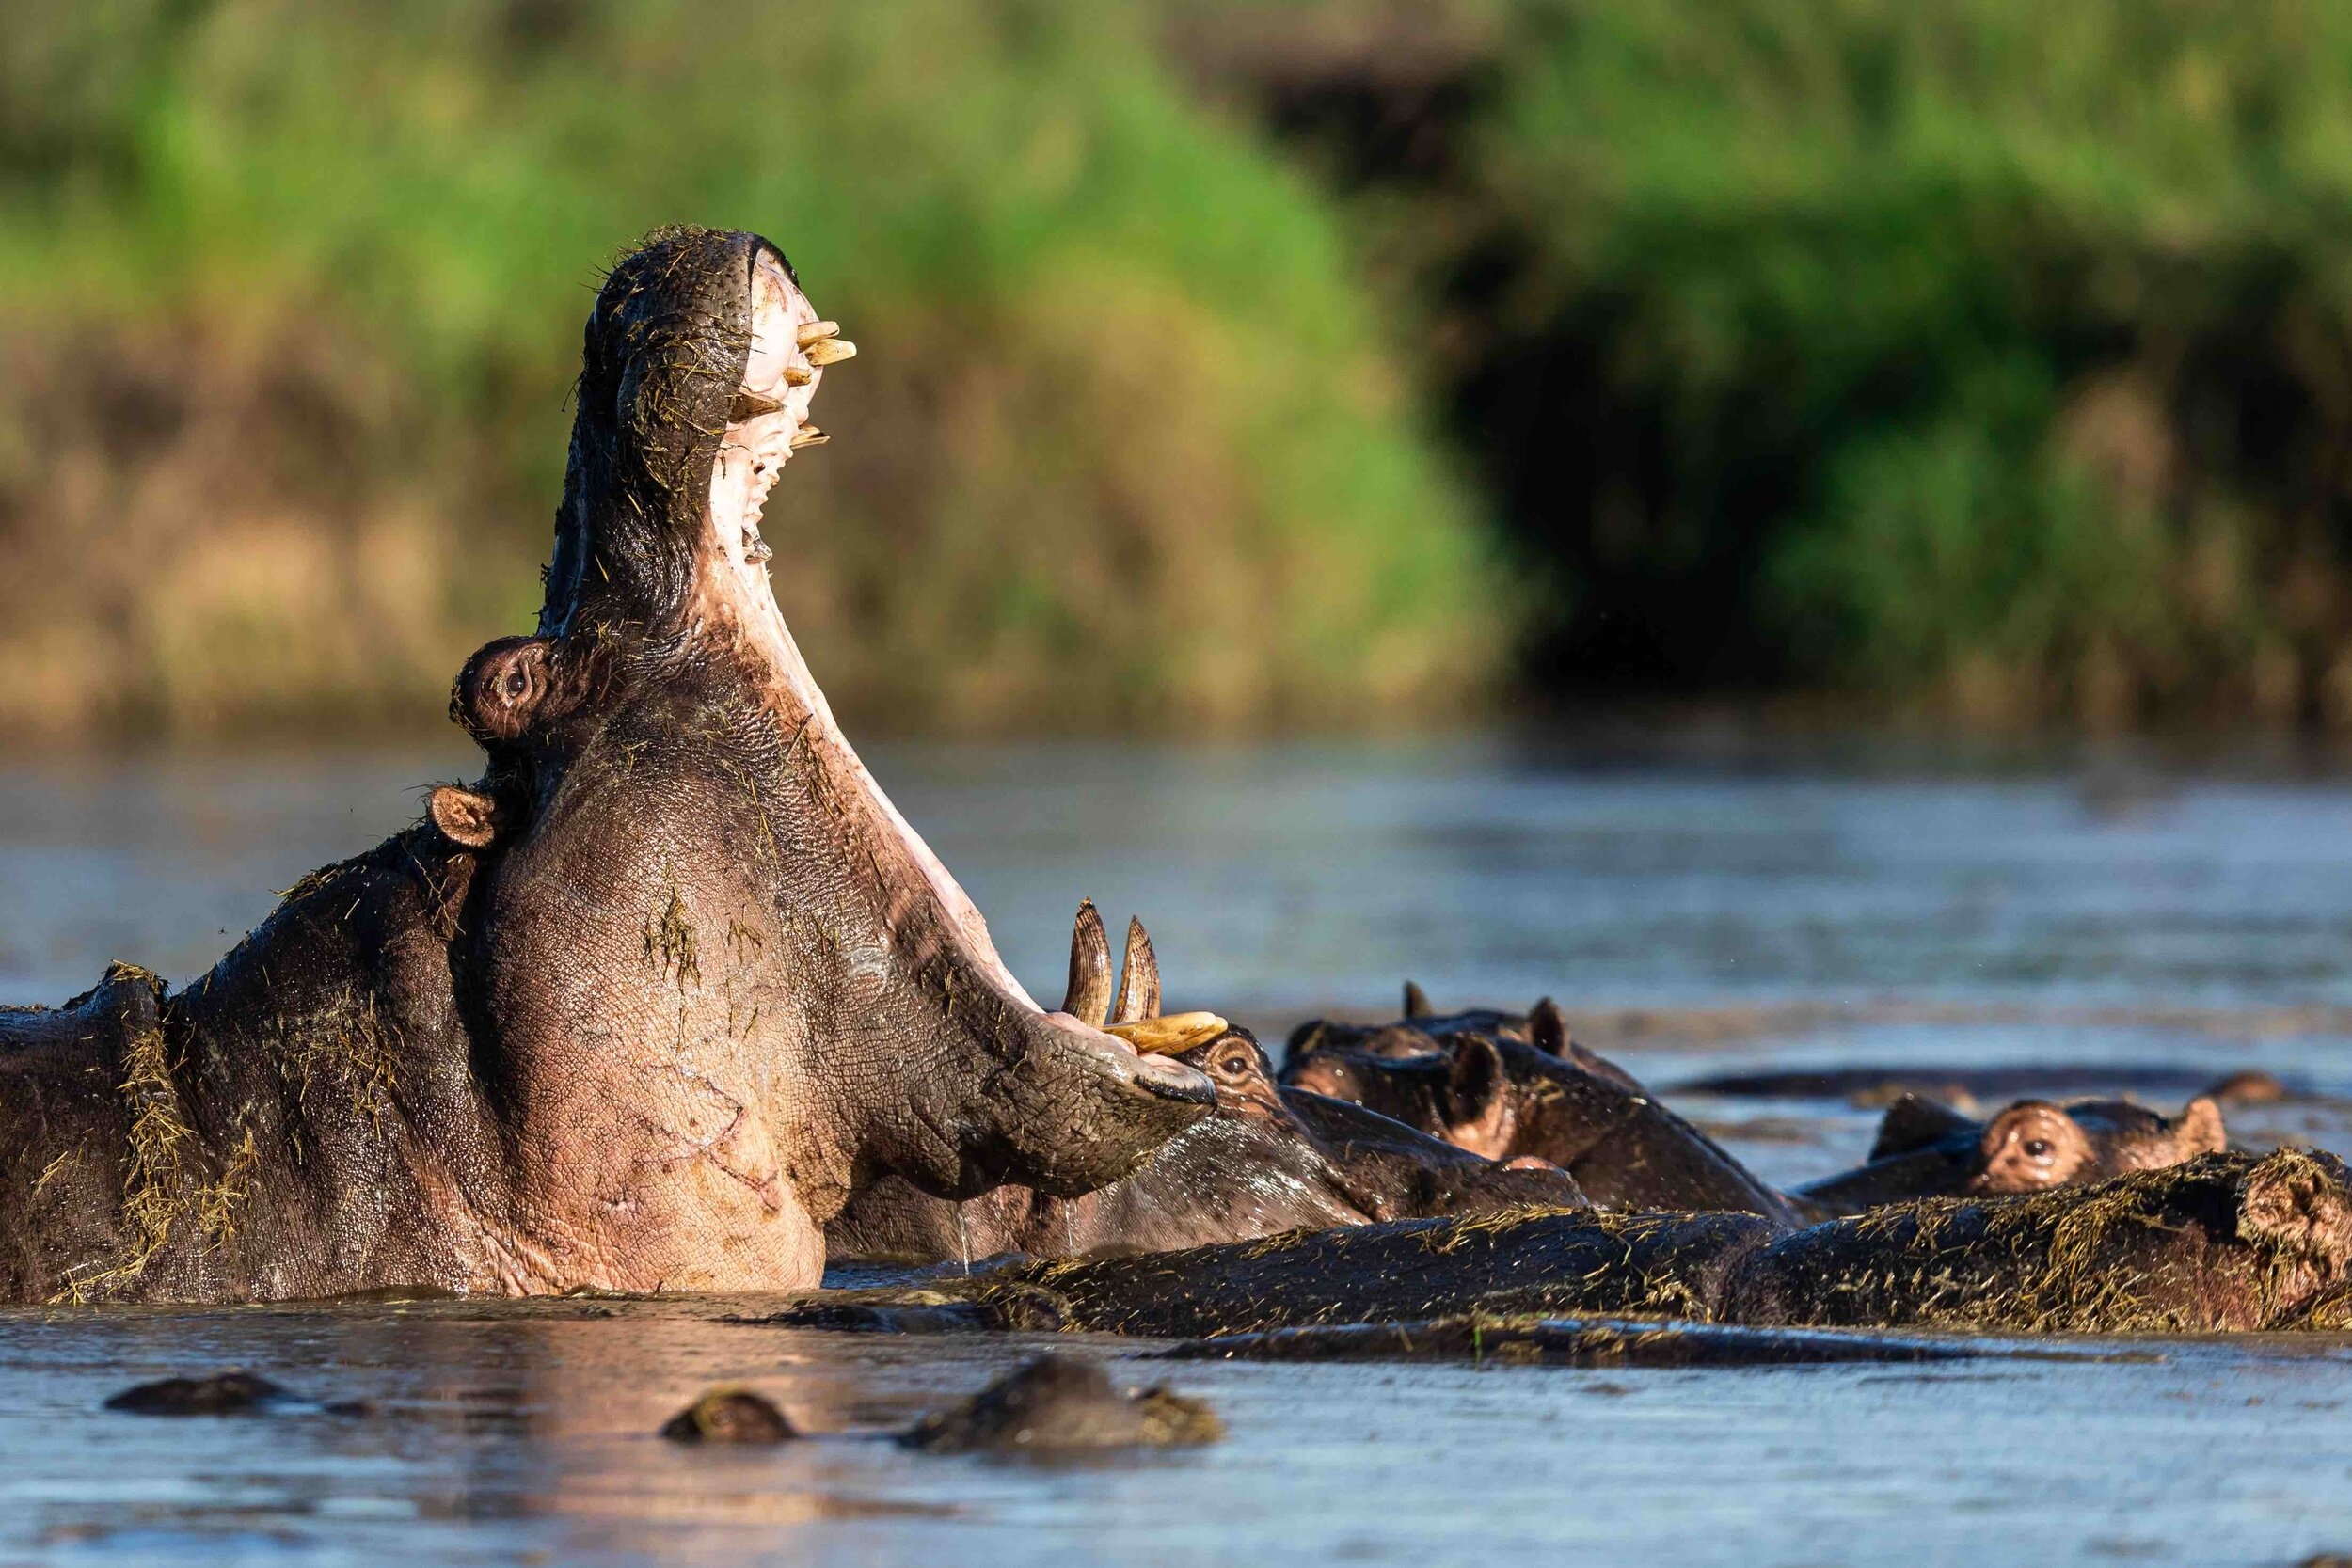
{"x":1268,"y":1160}
{"x":1927,"y":1150}
{"x":1511,"y":1087}
{"x":2223,"y":1242}
{"x":638,"y":1010}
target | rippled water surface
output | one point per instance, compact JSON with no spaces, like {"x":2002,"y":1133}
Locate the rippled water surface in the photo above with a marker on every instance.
{"x":1699,"y":911}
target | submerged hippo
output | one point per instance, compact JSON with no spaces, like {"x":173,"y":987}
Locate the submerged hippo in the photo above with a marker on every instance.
{"x":1268,"y":1160}
{"x":2224,"y":1243}
{"x":1928,"y":1150}
{"x":1512,"y":1087}
{"x":638,"y":1010}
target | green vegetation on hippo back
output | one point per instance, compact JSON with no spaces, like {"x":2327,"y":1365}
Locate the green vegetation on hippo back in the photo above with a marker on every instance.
{"x":637,"y":1009}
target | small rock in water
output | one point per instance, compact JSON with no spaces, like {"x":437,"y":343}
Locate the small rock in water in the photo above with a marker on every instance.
{"x":730,"y":1416}
{"x":218,"y":1395}
{"x":1055,"y":1404}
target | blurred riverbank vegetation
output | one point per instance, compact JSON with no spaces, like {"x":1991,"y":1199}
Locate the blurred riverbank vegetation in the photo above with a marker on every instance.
{"x":1331,"y":362}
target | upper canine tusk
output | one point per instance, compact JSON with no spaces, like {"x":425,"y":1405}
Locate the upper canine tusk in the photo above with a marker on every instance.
{"x":826,"y":352}
{"x":816,"y":332}
{"x":1138,"y":977}
{"x":808,"y":436}
{"x":1087,"y":997}
{"x":1170,"y":1032}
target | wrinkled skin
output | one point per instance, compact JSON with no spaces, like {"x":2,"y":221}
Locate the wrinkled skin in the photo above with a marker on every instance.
{"x":2224,"y":1243}
{"x":1508,"y":1098}
{"x":1927,"y":1150}
{"x":1269,"y":1160}
{"x":636,"y":1010}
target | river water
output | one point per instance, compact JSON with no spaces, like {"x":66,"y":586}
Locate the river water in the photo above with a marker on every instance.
{"x":1701,"y":906}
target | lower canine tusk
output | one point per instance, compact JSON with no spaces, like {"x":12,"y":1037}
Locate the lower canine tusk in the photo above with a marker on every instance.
{"x":808,"y":436}
{"x":1170,"y":1032}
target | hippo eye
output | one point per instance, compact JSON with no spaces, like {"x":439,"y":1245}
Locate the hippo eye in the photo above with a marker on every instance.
{"x":516,"y":684}
{"x":2039,"y":1148}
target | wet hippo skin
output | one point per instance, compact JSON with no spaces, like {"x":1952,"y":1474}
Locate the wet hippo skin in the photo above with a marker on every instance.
{"x":640,"y":1007}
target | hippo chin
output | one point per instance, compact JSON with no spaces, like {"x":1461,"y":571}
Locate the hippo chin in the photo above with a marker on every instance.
{"x":642,"y":1008}
{"x":1269,"y":1159}
{"x":1512,"y":1086}
{"x":1928,"y":1150}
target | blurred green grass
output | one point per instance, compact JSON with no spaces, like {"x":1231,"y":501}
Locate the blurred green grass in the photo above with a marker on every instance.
{"x":294,"y":293}
{"x":1987,"y":358}
{"x":1331,"y":362}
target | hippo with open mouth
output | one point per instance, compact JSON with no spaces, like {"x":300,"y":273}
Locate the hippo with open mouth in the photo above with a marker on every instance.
{"x":1269,"y":1159}
{"x":641,"y":1007}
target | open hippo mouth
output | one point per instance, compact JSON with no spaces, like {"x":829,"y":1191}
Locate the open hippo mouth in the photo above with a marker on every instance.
{"x":757,"y":941}
{"x":768,"y":423}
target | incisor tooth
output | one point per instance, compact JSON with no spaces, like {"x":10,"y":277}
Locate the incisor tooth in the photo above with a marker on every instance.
{"x":816,"y":332}
{"x":830,"y":351}
{"x":795,"y":376}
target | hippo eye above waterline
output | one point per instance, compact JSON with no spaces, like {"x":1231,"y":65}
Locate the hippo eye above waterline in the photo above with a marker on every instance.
{"x":2039,"y":1148}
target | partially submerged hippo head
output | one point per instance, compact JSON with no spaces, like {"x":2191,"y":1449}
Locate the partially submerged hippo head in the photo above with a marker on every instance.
{"x":641,"y":1006}
{"x":1269,"y":1159}
{"x":1484,"y":1087}
{"x":1924,"y":1150}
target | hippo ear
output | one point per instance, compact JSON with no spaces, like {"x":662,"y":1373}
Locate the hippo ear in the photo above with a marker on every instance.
{"x":1546,"y":1029}
{"x":2298,"y":1199}
{"x":1417,"y":1002}
{"x":2198,"y":1128}
{"x":1912,"y":1123}
{"x":465,"y":817}
{"x":1477,"y":1110}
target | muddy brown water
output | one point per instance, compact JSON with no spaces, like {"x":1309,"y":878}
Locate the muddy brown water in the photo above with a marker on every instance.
{"x":1703,"y":910}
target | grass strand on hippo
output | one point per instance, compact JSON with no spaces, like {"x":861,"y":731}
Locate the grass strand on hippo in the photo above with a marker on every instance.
{"x":639,"y":1008}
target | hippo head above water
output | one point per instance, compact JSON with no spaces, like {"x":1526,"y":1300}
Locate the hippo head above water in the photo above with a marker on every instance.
{"x":1924,"y":1149}
{"x":1514,"y":1086}
{"x":1269,"y":1159}
{"x":637,"y":1008}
